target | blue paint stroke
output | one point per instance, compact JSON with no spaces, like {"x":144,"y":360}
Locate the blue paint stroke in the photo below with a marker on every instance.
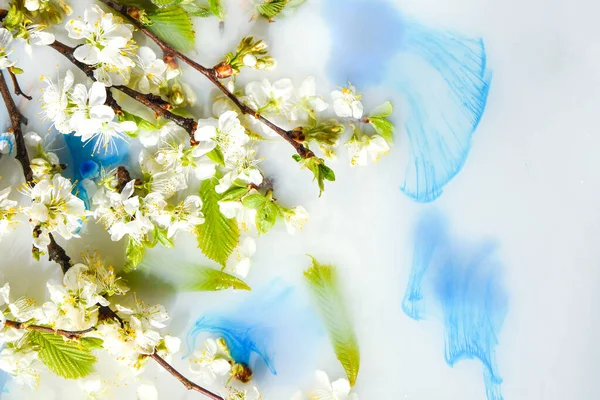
{"x":461,"y":285}
{"x":84,"y":163}
{"x":275,"y":324}
{"x":442,"y":77}
{"x":9,"y":139}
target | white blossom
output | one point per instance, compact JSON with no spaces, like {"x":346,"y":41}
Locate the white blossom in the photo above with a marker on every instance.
{"x":168,"y":183}
{"x":212,"y":361}
{"x":227,"y":133}
{"x":54,"y":209}
{"x":108,"y":47}
{"x":346,"y":103}
{"x":242,"y":170}
{"x":5,"y":41}
{"x":121,"y":213}
{"x":91,"y":118}
{"x":239,"y":260}
{"x":37,"y":37}
{"x":55,"y":101}
{"x":295,"y":219}
{"x":24,"y":366}
{"x":337,"y":390}
{"x":307,"y":97}
{"x":149,"y":71}
{"x":8,"y":211}
{"x":185,"y":216}
{"x":363,"y":148}
{"x":77,"y":298}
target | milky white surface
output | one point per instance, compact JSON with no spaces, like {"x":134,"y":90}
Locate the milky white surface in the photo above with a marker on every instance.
{"x":531,"y":181}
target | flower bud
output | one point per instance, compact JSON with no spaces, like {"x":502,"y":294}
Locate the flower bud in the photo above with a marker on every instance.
{"x":249,"y":60}
{"x":241,"y":372}
{"x":223,"y":70}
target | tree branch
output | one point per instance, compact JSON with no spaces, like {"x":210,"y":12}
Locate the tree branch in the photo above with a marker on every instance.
{"x":47,"y":329}
{"x":59,"y":255}
{"x":133,"y":14}
{"x":185,"y":381}
{"x":155,"y":103}
{"x":16,"y":86}
{"x":16,"y":119}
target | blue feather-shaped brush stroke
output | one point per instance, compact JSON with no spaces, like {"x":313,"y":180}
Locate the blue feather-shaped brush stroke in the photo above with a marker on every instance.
{"x":83,"y":163}
{"x":274,"y":326}
{"x":442,"y":77}
{"x":462,"y":285}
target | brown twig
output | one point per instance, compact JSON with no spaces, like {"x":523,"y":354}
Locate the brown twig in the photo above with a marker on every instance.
{"x":16,"y":86}
{"x":133,"y":14}
{"x":57,"y":254}
{"x":47,"y":329}
{"x":16,"y":119}
{"x":155,"y":103}
{"x":185,"y":381}
{"x":108,"y":313}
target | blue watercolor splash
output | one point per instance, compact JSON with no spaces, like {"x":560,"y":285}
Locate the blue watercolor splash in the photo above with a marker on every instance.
{"x":274,"y":324}
{"x":442,"y":76}
{"x":83,"y":163}
{"x":462,"y":286}
{"x":9,"y":139}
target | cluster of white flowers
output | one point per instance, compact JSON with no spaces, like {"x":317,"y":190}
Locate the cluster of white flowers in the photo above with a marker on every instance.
{"x":82,"y":111}
{"x":8,"y":211}
{"x":327,"y":390}
{"x":214,"y":363}
{"x":75,"y":305}
{"x":108,"y":46}
{"x":54,"y":209}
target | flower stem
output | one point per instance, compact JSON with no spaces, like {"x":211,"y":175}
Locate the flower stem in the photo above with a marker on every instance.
{"x":16,"y":119}
{"x":185,"y":381}
{"x":155,"y":103}
{"x":15,"y":82}
{"x":58,"y":254}
{"x":47,"y":329}
{"x":133,"y":13}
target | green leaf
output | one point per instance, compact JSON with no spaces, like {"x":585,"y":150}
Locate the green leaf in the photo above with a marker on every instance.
{"x":66,"y":358}
{"x":324,"y":285}
{"x":320,"y":171}
{"x":383,"y":127}
{"x":135,"y":254}
{"x":216,"y":156}
{"x":271,"y":8}
{"x":165,"y":3}
{"x":266,"y":216}
{"x":197,"y":11}
{"x":174,"y":26}
{"x":210,"y":280}
{"x":216,"y":8}
{"x":254,"y":200}
{"x":218,"y":235}
{"x":91,"y":343}
{"x":384,"y":110}
{"x":161,"y":236}
{"x":139,"y":121}
{"x":234,"y":194}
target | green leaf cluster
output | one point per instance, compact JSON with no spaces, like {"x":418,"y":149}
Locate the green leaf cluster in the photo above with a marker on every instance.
{"x":70,"y":359}
{"x":253,"y":47}
{"x":267,"y":210}
{"x":218,"y":236}
{"x":209,"y":280}
{"x":274,"y":8}
{"x":325,"y":288}
{"x":379,"y":121}
{"x":321,"y":172}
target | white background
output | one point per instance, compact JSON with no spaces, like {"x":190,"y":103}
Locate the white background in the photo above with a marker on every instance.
{"x":531,"y":181}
